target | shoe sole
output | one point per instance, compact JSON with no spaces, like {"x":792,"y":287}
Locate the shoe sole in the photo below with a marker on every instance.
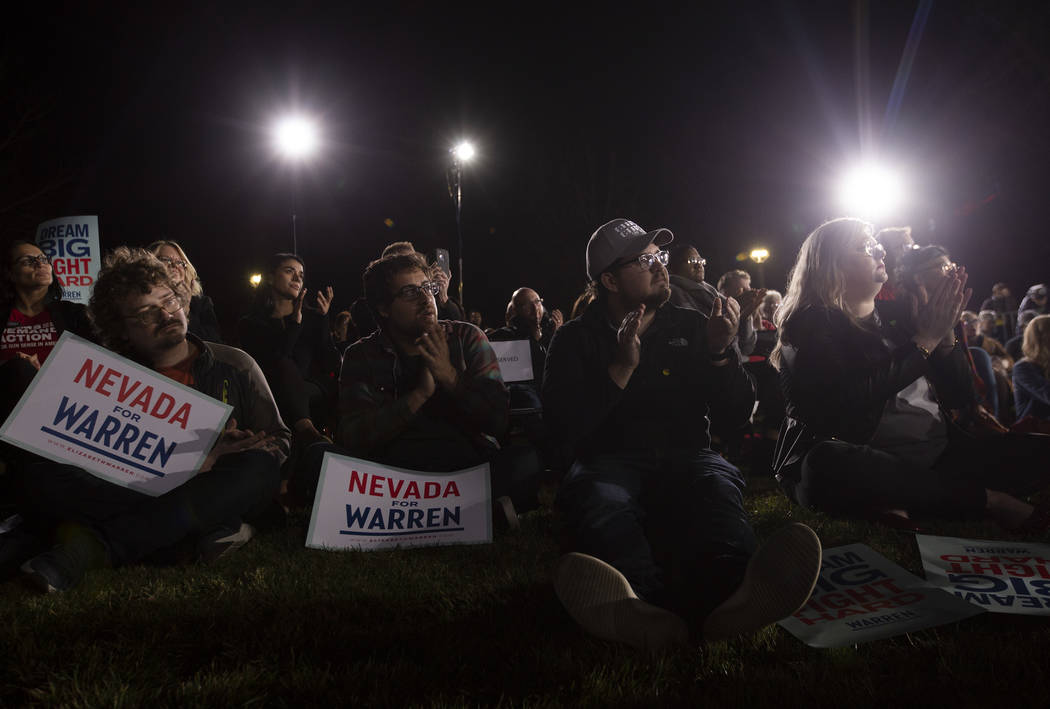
{"x":600,"y":599}
{"x":507,"y":505}
{"x":37,"y":581}
{"x":233,"y":542}
{"x":779,"y":580}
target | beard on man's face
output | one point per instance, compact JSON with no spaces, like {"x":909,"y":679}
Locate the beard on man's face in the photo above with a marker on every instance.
{"x":656,"y":299}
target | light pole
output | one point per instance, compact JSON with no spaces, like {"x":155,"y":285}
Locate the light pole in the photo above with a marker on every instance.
{"x":760,"y":256}
{"x":461,"y":154}
{"x":295,"y":139}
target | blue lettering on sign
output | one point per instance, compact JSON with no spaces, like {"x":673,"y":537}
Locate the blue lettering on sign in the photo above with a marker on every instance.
{"x":70,"y":414}
{"x":434,"y":519}
{"x":61,"y":248}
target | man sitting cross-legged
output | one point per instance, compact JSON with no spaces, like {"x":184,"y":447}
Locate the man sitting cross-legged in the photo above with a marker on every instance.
{"x":419,"y":393}
{"x":661,"y":545}
{"x":140,"y":312}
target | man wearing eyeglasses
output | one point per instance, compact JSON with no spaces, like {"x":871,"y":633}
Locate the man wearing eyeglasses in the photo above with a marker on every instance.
{"x":419,"y":393}
{"x":688,"y":287}
{"x":661,"y":548}
{"x":139,"y":311}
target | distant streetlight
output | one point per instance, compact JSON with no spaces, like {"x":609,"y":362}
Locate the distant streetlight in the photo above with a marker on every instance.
{"x":870,"y":191}
{"x":760,"y":256}
{"x":295,"y":139}
{"x":255,"y":279}
{"x":462,"y":153}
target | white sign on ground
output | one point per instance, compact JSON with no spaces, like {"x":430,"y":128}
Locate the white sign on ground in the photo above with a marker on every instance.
{"x":863,"y":596}
{"x":515,"y":360}
{"x":72,"y":243}
{"x":364,"y":505}
{"x":998,"y":576}
{"x":115,"y":419}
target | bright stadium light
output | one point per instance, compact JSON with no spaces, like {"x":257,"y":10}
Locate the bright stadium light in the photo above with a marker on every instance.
{"x":870,"y":191}
{"x":255,"y":279}
{"x":464,"y":152}
{"x":295,"y":137}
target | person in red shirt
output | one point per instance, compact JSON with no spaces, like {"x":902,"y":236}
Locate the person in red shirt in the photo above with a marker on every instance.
{"x":33,"y":316}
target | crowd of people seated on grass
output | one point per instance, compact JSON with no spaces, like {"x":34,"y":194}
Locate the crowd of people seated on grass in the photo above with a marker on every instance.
{"x":887,"y":400}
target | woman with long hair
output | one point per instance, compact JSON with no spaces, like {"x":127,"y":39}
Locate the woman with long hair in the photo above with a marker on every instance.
{"x":1032,"y":374}
{"x":34,"y":316}
{"x":293,"y":345}
{"x":202,"y":320}
{"x":866,"y":432}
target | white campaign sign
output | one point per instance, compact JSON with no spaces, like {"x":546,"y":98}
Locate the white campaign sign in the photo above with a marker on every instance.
{"x":364,"y":505}
{"x":115,"y":419}
{"x":863,"y":596}
{"x":515,"y":360}
{"x":998,"y":576}
{"x":72,"y":243}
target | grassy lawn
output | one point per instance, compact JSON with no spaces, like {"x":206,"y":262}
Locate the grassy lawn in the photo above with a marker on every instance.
{"x":278,"y":624}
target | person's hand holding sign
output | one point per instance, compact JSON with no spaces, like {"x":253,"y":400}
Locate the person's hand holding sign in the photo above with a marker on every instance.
{"x":32,"y":359}
{"x":433,"y":346}
{"x":235,"y":440}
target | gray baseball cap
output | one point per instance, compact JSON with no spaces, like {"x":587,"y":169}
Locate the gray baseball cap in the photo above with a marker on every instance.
{"x":616,"y":239}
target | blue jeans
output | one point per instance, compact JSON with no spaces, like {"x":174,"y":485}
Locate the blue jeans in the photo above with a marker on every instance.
{"x":134,"y":525}
{"x":673,"y":523}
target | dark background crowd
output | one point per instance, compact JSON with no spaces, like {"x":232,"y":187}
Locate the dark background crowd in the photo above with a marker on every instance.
{"x":728,"y":125}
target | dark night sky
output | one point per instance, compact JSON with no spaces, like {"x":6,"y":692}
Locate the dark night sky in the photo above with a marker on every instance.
{"x":728,"y":125}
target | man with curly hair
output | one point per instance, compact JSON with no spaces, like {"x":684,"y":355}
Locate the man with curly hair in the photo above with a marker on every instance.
{"x":139,"y":311}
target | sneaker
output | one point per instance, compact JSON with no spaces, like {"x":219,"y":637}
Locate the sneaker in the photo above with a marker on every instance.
{"x":223,"y":541}
{"x":600,"y":599}
{"x":16,"y":546}
{"x":778,"y":581}
{"x":60,"y":569}
{"x":505,"y":506}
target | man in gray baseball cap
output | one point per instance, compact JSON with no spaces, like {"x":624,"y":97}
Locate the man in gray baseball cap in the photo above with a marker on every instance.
{"x":660,"y":546}
{"x":617,"y":238}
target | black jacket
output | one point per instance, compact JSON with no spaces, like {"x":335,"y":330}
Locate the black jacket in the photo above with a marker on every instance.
{"x":202,"y":320}
{"x":837,"y":378}
{"x":667,"y":400}
{"x":309,"y":344}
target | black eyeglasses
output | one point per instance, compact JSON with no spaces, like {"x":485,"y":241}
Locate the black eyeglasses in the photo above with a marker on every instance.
{"x":412,"y":292}
{"x":152,"y":315}
{"x":33,"y":261}
{"x":696,"y":261}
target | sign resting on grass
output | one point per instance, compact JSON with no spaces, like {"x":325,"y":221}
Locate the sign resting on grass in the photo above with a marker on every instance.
{"x":72,"y":244}
{"x":364,"y":505}
{"x":998,"y":576}
{"x":515,"y":360}
{"x":115,"y":419}
{"x":863,"y":596}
